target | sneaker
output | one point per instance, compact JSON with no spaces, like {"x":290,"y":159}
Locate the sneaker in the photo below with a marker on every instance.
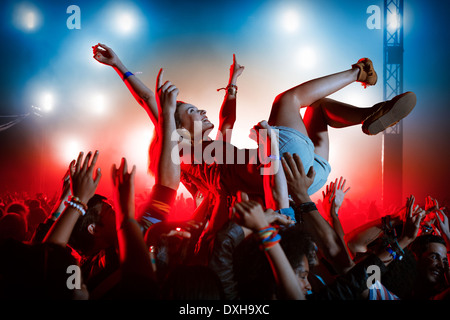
{"x":367,"y":75}
{"x":389,"y":113}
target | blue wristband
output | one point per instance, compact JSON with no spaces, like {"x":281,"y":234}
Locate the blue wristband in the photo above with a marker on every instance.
{"x":126,"y":75}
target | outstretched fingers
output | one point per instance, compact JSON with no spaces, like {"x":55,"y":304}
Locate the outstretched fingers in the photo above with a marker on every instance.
{"x":79,"y":160}
{"x":159,"y":79}
{"x":90,"y":169}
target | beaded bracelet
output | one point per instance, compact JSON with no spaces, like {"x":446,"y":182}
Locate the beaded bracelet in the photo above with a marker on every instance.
{"x":78,"y":201}
{"x":269,"y":237}
{"x":231,"y":89}
{"x":76,"y":206}
{"x":396,"y":253}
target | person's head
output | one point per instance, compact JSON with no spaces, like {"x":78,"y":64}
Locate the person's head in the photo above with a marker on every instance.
{"x":17,"y":207}
{"x":300,"y":250}
{"x":36,"y":215}
{"x":33,"y":204}
{"x":187,"y":116}
{"x":95,"y":230}
{"x":254,"y":273}
{"x":188,"y":120}
{"x":13,"y":226}
{"x":430,"y":252}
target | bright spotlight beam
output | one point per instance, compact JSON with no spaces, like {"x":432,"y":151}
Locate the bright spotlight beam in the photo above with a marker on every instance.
{"x":27,"y":17}
{"x":47,"y":102}
{"x":290,"y":20}
{"x":393,"y":20}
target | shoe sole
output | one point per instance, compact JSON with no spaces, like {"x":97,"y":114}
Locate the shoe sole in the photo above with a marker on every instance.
{"x":401,"y":108}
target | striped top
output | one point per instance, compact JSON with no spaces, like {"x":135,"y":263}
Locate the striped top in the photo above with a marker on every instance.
{"x":379,"y":292}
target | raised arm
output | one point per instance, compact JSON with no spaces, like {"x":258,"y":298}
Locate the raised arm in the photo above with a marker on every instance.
{"x":393,"y":250}
{"x":168,"y":167}
{"x":83,"y":186}
{"x":333,"y":197}
{"x":251,"y":215}
{"x":133,"y":252}
{"x":58,"y":208}
{"x":358,"y":239}
{"x":164,"y":157}
{"x":275,"y":186}
{"x":143,"y":95}
{"x":323,"y":234}
{"x":227,"y":115}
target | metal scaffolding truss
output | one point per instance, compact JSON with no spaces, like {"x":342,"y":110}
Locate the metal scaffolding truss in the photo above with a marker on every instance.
{"x":393,"y":54}
{"x":392,"y":149}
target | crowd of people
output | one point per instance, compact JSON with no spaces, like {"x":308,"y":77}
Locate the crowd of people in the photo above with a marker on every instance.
{"x":253,"y":232}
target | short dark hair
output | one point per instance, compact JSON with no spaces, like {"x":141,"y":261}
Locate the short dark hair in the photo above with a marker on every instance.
{"x":420,"y":244}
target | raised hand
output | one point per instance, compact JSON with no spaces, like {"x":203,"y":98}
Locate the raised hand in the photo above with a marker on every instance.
{"x":251,"y":215}
{"x":63,"y":195}
{"x":167,"y":94}
{"x":83,"y":187}
{"x":431,"y":204}
{"x":444,"y":226}
{"x":267,"y":141}
{"x":123,"y":182}
{"x":328,"y":200}
{"x":339,"y":193}
{"x":83,"y":183}
{"x":297,"y":179}
{"x":235,"y":70}
{"x":334,"y":195}
{"x":248,"y":213}
{"x":413,"y":218}
{"x":105,"y":55}
{"x":65,"y":189}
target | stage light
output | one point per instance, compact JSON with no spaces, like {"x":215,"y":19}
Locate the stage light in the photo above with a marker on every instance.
{"x":393,"y":21}
{"x":125,"y":19}
{"x":290,"y":20}
{"x":27,"y":17}
{"x":306,"y":57}
{"x":125,"y":22}
{"x":47,"y":102}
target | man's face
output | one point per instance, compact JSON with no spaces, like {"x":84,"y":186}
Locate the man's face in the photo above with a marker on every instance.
{"x":433,"y":262}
